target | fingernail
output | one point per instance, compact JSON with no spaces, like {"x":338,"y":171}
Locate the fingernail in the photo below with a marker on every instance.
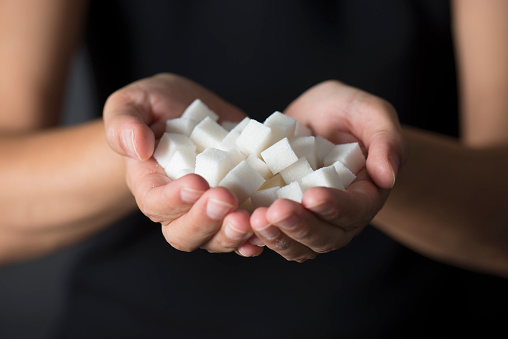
{"x":216,"y":209}
{"x":393,"y":174}
{"x":190,"y":195}
{"x":243,"y":254}
{"x":128,"y":144}
{"x":393,"y":162}
{"x":254,"y":240}
{"x":289,"y":222}
{"x":233,"y":233}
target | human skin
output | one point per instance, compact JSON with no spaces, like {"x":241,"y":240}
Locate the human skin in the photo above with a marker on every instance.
{"x":444,"y":221}
{"x":58,"y":185}
{"x":449,"y":202}
{"x":210,"y":219}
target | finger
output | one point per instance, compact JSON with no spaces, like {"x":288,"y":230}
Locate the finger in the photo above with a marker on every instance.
{"x":350,"y":209}
{"x":234,"y":232}
{"x":127,"y":116}
{"x":305,"y":227}
{"x":276,"y":240}
{"x":382,"y":137}
{"x":159,"y":198}
{"x":249,"y":250}
{"x":205,"y":218}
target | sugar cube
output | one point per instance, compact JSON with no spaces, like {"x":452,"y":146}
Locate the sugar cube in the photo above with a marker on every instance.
{"x":292,"y":191}
{"x":345,"y":175}
{"x":213,"y":164}
{"x":242,"y":180}
{"x":296,"y":171}
{"x":169,"y":144}
{"x":279,"y":156}
{"x":207,"y":133}
{"x":254,"y":138}
{"x":324,"y":176}
{"x":283,"y":126}
{"x":301,"y":130}
{"x":259,"y":165}
{"x":198,"y":111}
{"x":323,"y":147}
{"x":181,"y":163}
{"x":349,"y":154}
{"x":305,"y":147}
{"x":180,"y":125}
{"x":241,"y":125}
{"x":265,"y":197}
{"x":273,"y":181}
{"x":247,"y":206}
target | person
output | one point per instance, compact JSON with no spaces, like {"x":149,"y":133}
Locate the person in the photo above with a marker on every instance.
{"x":445,"y":245}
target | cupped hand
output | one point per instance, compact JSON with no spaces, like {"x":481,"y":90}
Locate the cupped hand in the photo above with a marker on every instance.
{"x":192,"y":214}
{"x":327,"y":219}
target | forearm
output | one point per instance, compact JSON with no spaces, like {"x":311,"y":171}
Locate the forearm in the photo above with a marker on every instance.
{"x":57,"y":187}
{"x":449,"y":202}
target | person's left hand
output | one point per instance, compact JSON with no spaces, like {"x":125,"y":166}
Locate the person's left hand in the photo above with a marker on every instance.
{"x":328,"y":219}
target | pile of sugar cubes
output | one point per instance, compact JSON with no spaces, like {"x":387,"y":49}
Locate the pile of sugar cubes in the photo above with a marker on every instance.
{"x":258,"y":162}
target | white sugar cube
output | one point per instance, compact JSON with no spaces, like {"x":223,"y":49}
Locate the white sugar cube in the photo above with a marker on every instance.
{"x":181,"y":125}
{"x":207,"y":133}
{"x":345,"y":175}
{"x":242,"y":180}
{"x":247,"y":206}
{"x":283,"y":126}
{"x":169,"y":144}
{"x":324,"y":176}
{"x":350,"y":155}
{"x":213,"y":164}
{"x":301,"y":130}
{"x":240,"y":125}
{"x":279,"y":156}
{"x":258,"y":162}
{"x":198,"y":111}
{"x":236,"y":155}
{"x":254,"y":138}
{"x":259,"y":165}
{"x":181,"y":163}
{"x":293,"y":191}
{"x":305,"y":147}
{"x":274,"y":181}
{"x":228,"y":144}
{"x":323,"y":147}
{"x":296,"y":171}
{"x":264,"y":198}
{"x":230,"y":139}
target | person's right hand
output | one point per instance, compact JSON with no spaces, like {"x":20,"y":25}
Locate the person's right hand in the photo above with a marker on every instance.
{"x":192,"y":214}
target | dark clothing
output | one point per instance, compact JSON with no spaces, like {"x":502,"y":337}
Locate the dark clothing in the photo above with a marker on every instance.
{"x":127,"y":282}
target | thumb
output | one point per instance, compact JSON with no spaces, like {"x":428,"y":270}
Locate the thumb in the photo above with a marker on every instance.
{"x":386,"y":155}
{"x":126,"y":124}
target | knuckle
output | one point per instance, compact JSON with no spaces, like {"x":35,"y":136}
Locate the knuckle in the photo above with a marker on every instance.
{"x":204,"y":230}
{"x":306,"y":233}
{"x":280,"y":244}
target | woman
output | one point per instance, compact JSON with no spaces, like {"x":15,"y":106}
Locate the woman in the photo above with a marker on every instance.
{"x":262,"y":57}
